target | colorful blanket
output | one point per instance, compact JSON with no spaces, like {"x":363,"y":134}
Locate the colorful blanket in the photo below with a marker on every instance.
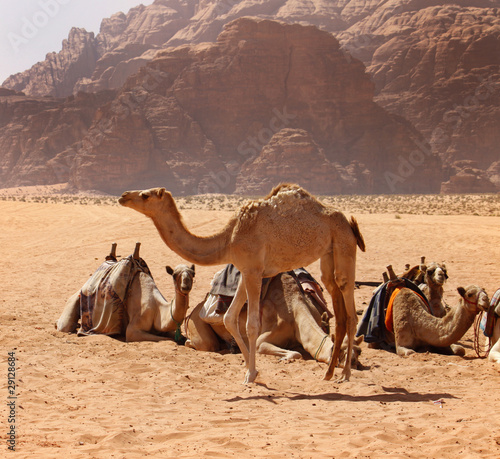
{"x":103,"y":296}
{"x":225,"y":283}
{"x":377,"y":320}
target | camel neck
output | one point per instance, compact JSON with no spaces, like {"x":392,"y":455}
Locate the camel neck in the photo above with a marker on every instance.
{"x":211,"y":250}
{"x":452,"y":326}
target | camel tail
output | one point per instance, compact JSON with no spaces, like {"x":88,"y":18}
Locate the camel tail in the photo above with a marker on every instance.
{"x":357,"y":233}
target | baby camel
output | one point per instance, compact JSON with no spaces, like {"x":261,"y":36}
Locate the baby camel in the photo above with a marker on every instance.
{"x":287,"y":229}
{"x":147,"y":309}
{"x":415,"y":327}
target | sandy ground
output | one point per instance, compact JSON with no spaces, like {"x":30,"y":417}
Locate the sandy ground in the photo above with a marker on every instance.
{"x":101,"y":397}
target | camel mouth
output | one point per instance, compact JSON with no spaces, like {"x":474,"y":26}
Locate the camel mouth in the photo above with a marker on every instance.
{"x":123,"y":199}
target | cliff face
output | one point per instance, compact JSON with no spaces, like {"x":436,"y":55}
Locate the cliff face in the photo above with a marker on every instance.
{"x":433,"y":62}
{"x":38,"y":135}
{"x":438,"y":65}
{"x":213,"y":117}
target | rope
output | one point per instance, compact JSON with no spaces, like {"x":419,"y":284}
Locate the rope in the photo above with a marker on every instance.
{"x":320,"y":346}
{"x":481,"y":352}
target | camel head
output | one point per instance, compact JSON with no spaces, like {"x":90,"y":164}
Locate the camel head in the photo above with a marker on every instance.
{"x":436,"y":274}
{"x":147,"y":202}
{"x":475,"y":298}
{"x":183,"y":278}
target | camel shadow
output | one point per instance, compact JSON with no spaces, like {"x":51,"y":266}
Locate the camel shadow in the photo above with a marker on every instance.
{"x":392,"y":394}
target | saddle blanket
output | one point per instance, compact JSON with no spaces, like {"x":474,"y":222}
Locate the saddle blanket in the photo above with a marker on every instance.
{"x":103,"y":296}
{"x":225,"y":284}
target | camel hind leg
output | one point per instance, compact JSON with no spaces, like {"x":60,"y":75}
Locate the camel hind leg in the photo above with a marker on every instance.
{"x":338,"y":276}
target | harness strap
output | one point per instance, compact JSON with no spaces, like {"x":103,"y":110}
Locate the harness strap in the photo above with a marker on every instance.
{"x":320,"y":346}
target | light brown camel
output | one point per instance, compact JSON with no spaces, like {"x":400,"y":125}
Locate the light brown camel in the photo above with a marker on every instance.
{"x":147,"y":309}
{"x":432,"y":287}
{"x":414,"y":327}
{"x":290,"y":318}
{"x":287,"y":229}
{"x":494,"y":354}
{"x":430,"y":280}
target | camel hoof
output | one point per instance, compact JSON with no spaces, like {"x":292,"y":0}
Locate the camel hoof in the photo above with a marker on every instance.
{"x":458,"y":350}
{"x":250,"y":376}
{"x":328,"y":376}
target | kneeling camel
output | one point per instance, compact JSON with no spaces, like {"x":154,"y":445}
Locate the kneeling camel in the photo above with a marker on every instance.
{"x":147,"y":311}
{"x":414,"y":327}
{"x":290,"y":319}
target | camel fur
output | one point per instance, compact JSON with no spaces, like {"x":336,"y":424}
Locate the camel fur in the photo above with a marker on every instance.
{"x":414,"y":327}
{"x":290,"y":319}
{"x":147,"y":309}
{"x":287,"y":229}
{"x":494,"y":354}
{"x":430,"y":280}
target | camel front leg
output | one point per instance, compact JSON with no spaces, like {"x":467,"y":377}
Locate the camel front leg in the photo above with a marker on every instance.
{"x":231,"y":318}
{"x":494,"y":355}
{"x":134,"y":334}
{"x":253,"y":285}
{"x":267,"y":348}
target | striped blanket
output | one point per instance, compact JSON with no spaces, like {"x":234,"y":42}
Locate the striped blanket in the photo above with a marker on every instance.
{"x":103,"y":296}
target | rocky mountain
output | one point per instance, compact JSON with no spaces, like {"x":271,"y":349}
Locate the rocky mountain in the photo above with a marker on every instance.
{"x":433,"y":62}
{"x":239,"y":114}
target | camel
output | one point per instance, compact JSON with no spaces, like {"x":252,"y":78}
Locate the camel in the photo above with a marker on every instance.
{"x":494,"y":354}
{"x":290,"y":318}
{"x":415,"y":327}
{"x":432,"y":287}
{"x":430,"y":280}
{"x":147,"y":309}
{"x":287,"y":229}
{"x":494,"y":316}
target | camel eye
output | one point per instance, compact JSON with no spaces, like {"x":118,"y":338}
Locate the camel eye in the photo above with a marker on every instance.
{"x":431,"y":271}
{"x":145,"y":195}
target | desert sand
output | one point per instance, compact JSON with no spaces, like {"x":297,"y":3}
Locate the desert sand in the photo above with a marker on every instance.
{"x":100,"y":397}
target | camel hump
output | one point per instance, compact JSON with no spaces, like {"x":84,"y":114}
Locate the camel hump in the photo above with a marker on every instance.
{"x":357,"y":233}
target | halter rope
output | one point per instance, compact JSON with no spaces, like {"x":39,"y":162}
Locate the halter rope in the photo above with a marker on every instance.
{"x":320,"y":346}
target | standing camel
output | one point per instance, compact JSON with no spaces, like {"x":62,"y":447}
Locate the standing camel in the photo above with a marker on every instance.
{"x":287,"y":229}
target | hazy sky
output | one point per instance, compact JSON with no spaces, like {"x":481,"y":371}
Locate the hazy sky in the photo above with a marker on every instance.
{"x":29,"y":29}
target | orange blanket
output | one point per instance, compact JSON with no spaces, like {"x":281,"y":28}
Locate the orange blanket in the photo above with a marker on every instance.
{"x":389,"y":321}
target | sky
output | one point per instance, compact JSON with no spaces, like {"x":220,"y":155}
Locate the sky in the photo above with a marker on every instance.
{"x":29,"y":29}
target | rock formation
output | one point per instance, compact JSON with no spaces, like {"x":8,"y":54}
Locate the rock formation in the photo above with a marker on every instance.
{"x":203,"y":118}
{"x":436,"y":63}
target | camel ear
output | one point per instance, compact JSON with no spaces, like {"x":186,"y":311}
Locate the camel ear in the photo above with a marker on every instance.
{"x":192,"y":267}
{"x":461,"y":291}
{"x":169,"y":270}
{"x":161,"y":192}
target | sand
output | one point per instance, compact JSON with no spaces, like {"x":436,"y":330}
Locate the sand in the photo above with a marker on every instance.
{"x":101,"y":397}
